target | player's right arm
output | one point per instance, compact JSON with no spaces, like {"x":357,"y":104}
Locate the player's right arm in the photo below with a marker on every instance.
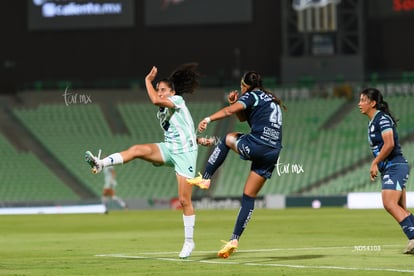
{"x":222,"y":113}
{"x":152,"y":92}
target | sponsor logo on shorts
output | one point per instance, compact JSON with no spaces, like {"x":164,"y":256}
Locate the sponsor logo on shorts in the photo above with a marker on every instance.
{"x":245,"y":150}
{"x":388,"y":180}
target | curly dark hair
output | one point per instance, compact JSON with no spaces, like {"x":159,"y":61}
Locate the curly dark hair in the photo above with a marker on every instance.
{"x":184,"y":79}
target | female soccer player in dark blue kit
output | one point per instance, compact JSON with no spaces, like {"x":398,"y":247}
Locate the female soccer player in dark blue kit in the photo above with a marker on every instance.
{"x":261,"y":146}
{"x":388,"y":160}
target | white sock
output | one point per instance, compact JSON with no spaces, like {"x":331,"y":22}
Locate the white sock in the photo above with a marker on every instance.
{"x":113,"y":159}
{"x":189,"y":222}
{"x":120,"y":201}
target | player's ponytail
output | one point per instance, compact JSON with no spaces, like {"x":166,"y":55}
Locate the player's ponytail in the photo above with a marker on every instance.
{"x":375,"y":95}
{"x":278,"y":101}
{"x":253,"y":80}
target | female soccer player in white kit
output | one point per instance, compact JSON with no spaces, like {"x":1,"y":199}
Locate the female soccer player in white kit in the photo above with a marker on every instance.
{"x":179,"y":148}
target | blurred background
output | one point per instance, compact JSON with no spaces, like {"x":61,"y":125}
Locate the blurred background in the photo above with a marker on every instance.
{"x":72,"y":80}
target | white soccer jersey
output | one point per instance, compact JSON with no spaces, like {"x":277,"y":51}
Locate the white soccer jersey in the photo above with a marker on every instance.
{"x":178,"y":126}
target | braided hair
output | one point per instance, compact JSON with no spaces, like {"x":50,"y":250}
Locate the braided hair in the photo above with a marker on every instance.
{"x":375,"y":95}
{"x":253,"y":80}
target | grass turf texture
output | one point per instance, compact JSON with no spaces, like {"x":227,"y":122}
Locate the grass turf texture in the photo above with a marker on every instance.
{"x":296,"y":241}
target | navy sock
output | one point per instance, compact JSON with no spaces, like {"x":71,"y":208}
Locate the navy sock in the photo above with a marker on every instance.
{"x":216,"y":158}
{"x":245,"y":213}
{"x":408,"y":227}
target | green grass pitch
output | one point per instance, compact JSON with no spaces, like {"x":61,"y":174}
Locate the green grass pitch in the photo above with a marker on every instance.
{"x":294,"y":241}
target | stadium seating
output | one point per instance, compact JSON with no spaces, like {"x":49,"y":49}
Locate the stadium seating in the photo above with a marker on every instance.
{"x":311,"y":152}
{"x":26,"y":178}
{"x":68,"y":131}
{"x":319,"y":152}
{"x":358,"y":179}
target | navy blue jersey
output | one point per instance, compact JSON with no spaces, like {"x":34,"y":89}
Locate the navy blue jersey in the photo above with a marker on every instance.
{"x":379,"y":124}
{"x":264,"y":117}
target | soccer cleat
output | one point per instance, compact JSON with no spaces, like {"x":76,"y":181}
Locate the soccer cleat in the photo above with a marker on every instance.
{"x":187,"y":249}
{"x":410,"y":247}
{"x":228,"y":248}
{"x":94,"y":162}
{"x":200,"y":182}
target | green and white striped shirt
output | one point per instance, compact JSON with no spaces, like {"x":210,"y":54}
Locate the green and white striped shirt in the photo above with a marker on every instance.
{"x":178,"y":126}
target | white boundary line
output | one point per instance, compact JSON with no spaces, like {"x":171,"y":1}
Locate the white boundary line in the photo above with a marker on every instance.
{"x":150,"y":255}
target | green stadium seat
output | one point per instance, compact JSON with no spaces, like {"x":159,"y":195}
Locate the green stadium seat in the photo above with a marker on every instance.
{"x":68,"y":131}
{"x":25,"y":178}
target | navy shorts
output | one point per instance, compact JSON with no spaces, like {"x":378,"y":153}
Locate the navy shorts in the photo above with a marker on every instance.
{"x":263,"y":157}
{"x":395,"y":177}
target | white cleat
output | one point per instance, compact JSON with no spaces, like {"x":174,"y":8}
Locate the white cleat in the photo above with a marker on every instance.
{"x":410,"y":247}
{"x":188,"y":247}
{"x":93,"y":161}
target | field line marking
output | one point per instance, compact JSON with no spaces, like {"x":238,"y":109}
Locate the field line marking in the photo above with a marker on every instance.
{"x":257,"y":264}
{"x":266,"y":249}
{"x":148,"y":256}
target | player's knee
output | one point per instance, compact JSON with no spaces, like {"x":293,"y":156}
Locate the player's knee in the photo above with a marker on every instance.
{"x":230,"y":139}
{"x":184,"y":201}
{"x":135,"y":151}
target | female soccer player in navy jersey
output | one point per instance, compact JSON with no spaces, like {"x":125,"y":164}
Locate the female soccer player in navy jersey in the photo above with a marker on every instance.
{"x":179,"y":148}
{"x":261,"y":146}
{"x":388,"y":160}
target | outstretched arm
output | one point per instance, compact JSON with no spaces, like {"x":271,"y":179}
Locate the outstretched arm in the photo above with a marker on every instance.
{"x":152,"y":92}
{"x":222,"y":113}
